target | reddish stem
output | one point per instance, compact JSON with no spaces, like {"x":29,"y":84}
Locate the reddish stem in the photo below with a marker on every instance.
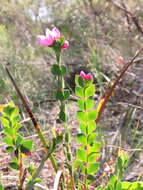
{"x":109,"y":91}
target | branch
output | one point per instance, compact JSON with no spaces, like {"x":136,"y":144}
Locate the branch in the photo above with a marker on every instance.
{"x":109,"y":91}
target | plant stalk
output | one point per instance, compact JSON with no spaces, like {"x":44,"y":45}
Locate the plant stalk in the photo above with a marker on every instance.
{"x":109,"y":91}
{"x":31,"y":115}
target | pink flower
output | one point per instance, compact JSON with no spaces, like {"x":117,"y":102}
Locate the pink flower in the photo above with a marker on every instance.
{"x":85,"y":76}
{"x":45,"y":41}
{"x":50,"y":37}
{"x":65,"y":45}
{"x":58,"y":130}
{"x":56,"y":33}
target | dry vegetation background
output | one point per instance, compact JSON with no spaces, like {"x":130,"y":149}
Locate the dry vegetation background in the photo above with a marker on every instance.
{"x":99,"y":32}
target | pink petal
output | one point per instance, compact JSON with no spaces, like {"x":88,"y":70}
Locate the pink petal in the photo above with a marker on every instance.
{"x":58,"y":131}
{"x":48,"y":32}
{"x":44,"y":41}
{"x":82,"y":74}
{"x":56,"y":33}
{"x":88,"y":76}
{"x":65,"y":45}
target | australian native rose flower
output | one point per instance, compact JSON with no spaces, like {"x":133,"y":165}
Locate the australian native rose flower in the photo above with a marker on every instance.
{"x":85,"y":76}
{"x":50,"y":37}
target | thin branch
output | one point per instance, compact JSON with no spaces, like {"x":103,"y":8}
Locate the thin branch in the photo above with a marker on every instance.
{"x":109,"y":90}
{"x":126,"y":149}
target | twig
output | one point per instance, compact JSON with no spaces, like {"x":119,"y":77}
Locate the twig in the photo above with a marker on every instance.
{"x":129,"y":104}
{"x":109,"y":91}
{"x":122,"y":148}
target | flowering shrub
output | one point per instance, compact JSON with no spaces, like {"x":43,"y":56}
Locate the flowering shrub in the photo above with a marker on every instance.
{"x":81,"y":170}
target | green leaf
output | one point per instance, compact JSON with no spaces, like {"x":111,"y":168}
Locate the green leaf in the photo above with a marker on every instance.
{"x":24,"y":149}
{"x":8,"y":131}
{"x":82,"y":116}
{"x":92,"y":115}
{"x":8,"y":141}
{"x":91,"y":127}
{"x":9,"y":110}
{"x":79,"y":92}
{"x":79,"y":81}
{"x":126,"y":185}
{"x":15,"y":120}
{"x":66,"y":94}
{"x":95,"y":147}
{"x":81,"y":138}
{"x":92,"y":168}
{"x":83,"y":127}
{"x":59,"y":95}
{"x":119,"y":163}
{"x":14,"y":165}
{"x":18,"y":140}
{"x":91,"y":138}
{"x":137,"y":185}
{"x":63,"y":70}
{"x":76,"y":80}
{"x":28,"y":144}
{"x":1,"y":187}
{"x":118,"y":185}
{"x":16,"y":127}
{"x":81,"y":155}
{"x":91,"y":178}
{"x":83,"y":168}
{"x":89,"y":104}
{"x":5,"y":121}
{"x":37,"y":180}
{"x":88,"y":82}
{"x":113,"y":180}
{"x":31,"y":169}
{"x":92,"y":157}
{"x":90,"y":91}
{"x":77,"y":163}
{"x":58,"y":139}
{"x":9,"y":149}
{"x":81,"y":104}
{"x":15,"y":159}
{"x":56,"y":70}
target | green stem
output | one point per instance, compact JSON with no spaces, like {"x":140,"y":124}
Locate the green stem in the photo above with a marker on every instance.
{"x":61,"y":86}
{"x":86,"y":164}
{"x":61,"y":83}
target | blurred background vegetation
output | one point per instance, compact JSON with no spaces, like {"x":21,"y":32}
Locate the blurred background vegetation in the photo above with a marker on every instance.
{"x":102,"y":35}
{"x":99,"y":32}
